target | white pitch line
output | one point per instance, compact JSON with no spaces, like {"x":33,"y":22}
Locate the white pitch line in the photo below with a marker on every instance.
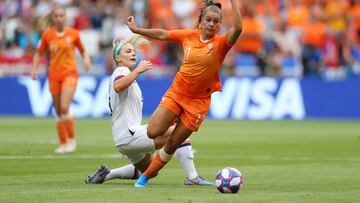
{"x":284,"y":158}
{"x":48,"y":142}
{"x":120,"y":156}
{"x":65,"y":156}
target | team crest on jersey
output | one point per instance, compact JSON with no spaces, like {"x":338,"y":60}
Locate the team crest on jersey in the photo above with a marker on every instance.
{"x":53,"y":47}
{"x":210,"y":47}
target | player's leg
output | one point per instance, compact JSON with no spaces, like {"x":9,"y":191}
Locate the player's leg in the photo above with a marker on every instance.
{"x":179,"y":135}
{"x":130,"y":171}
{"x":191,"y":114}
{"x":159,"y":141}
{"x":165,"y":114}
{"x":60,"y":124}
{"x":67,"y":94}
{"x":139,"y":151}
{"x":159,"y":122}
{"x":185,"y":155}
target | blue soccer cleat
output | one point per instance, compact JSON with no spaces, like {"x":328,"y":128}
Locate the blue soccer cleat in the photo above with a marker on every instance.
{"x":142,"y":181}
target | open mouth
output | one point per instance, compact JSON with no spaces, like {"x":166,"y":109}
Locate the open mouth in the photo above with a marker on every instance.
{"x":210,"y":29}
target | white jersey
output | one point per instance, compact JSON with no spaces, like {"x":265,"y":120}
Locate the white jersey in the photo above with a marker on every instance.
{"x":126,"y":108}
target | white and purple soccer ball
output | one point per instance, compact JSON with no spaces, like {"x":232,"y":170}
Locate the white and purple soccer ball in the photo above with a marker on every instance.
{"x":229,"y":180}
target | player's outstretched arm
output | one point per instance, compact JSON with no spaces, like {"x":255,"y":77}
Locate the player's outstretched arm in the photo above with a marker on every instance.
{"x":126,"y":81}
{"x":159,"y":34}
{"x":236,"y":28}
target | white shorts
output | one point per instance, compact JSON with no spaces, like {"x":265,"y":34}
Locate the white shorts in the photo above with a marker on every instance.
{"x":139,"y":146}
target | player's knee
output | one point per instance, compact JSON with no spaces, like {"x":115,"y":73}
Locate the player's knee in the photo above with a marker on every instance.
{"x":153,"y":132}
{"x":58,"y":113}
{"x":64,"y":111}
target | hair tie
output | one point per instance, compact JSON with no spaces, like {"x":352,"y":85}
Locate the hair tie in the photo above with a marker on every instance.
{"x":216,"y":4}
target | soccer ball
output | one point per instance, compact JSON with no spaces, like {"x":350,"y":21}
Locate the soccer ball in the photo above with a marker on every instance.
{"x":228,"y":180}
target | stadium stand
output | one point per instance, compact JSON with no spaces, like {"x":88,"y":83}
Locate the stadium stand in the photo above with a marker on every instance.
{"x":283,"y":32}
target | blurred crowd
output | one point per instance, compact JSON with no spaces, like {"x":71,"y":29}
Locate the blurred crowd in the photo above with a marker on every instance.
{"x":297,"y":38}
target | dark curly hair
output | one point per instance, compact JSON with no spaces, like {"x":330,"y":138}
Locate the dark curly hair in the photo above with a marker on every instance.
{"x":206,"y":6}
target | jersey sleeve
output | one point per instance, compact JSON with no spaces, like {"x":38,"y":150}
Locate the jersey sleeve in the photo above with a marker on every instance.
{"x":119,"y":73}
{"x":178,"y":36}
{"x":78,"y":43}
{"x":42,"y":43}
{"x":225,"y":46}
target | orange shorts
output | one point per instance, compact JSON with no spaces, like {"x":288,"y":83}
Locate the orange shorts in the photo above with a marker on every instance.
{"x":57,"y":81}
{"x":190,"y":111}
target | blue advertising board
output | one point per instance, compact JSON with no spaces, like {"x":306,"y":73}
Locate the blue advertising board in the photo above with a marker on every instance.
{"x":242,"y":98}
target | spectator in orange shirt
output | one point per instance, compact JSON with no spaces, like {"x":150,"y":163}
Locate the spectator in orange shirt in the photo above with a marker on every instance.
{"x":189,"y":96}
{"x":354,"y":17}
{"x":313,"y":35}
{"x":63,"y":75}
{"x":297,"y":14}
{"x":251,"y":40}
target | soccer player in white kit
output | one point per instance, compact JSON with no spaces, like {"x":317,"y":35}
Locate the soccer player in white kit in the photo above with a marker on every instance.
{"x":130,"y":137}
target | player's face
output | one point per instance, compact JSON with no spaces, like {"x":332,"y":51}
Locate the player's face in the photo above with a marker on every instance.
{"x":59,"y":17}
{"x":127,"y":56}
{"x":210,"y":23}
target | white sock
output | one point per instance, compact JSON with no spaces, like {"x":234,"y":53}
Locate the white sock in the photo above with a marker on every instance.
{"x":125,"y":172}
{"x":186,"y":157}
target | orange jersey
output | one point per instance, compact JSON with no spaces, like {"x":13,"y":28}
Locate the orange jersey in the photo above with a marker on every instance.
{"x":61,"y":48}
{"x":198,"y":76}
{"x":314,"y":33}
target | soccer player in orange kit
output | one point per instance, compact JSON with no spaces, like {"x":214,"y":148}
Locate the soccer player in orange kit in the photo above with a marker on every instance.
{"x":61,"y":41}
{"x":189,"y":96}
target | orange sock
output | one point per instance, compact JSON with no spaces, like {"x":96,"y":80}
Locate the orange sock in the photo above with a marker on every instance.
{"x":155,"y":166}
{"x":69,"y":123}
{"x":61,"y":130}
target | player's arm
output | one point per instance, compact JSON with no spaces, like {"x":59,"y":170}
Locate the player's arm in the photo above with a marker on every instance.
{"x":153,"y":33}
{"x":85,"y":56}
{"x":36,"y":60}
{"x":123,"y":82}
{"x":86,"y":60}
{"x":38,"y":55}
{"x":236,"y":28}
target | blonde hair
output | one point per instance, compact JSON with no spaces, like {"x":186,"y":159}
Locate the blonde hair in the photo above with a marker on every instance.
{"x":47,"y":20}
{"x":135,"y":40}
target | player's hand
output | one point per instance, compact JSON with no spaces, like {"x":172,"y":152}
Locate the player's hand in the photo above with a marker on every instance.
{"x":86,"y":64}
{"x":144,"y":66}
{"x":34,"y":74}
{"x":130,"y":22}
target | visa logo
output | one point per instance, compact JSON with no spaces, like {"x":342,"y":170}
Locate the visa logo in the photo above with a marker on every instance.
{"x":90,"y":99}
{"x":258,"y":99}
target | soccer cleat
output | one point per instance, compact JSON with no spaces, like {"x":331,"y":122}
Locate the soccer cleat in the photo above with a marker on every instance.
{"x":99,"y":176}
{"x":197,"y":181}
{"x":71,"y":146}
{"x":61,"y":150}
{"x":142,"y":181}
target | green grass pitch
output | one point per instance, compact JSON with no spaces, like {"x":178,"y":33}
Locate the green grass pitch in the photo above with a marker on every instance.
{"x":282,"y":161}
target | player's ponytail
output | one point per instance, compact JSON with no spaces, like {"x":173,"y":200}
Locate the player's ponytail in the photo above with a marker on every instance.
{"x":206,"y":6}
